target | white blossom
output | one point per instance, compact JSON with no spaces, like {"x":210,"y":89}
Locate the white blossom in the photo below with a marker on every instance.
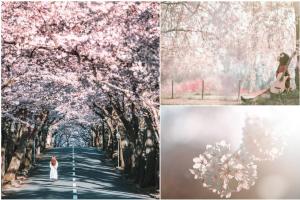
{"x":259,"y":139}
{"x":224,"y":172}
{"x":199,"y":167}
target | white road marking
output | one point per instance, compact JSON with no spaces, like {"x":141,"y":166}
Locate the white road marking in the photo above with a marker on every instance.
{"x":74,"y":179}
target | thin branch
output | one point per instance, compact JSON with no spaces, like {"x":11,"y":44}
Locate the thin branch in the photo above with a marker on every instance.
{"x":9,"y":42}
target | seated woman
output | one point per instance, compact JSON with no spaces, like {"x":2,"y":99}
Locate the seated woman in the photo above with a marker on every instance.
{"x":284,"y":60}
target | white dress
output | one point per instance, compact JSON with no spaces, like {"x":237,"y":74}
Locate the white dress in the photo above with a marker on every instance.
{"x":53,"y":171}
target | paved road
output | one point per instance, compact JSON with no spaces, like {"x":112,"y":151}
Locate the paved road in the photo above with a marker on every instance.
{"x":83,"y":174}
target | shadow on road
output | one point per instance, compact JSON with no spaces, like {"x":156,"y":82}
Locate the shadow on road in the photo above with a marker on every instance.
{"x":94,"y":179}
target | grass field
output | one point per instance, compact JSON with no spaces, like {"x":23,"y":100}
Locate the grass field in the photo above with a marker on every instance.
{"x":196,"y":99}
{"x":291,"y":98}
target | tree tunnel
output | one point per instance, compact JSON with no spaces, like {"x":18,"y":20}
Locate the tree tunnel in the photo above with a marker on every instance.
{"x":85,"y":80}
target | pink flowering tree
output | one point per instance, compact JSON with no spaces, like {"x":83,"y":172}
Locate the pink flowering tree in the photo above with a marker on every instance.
{"x":224,"y":42}
{"x":81,"y":72}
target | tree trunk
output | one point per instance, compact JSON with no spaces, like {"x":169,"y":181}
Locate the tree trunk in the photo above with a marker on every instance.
{"x":28,"y":156}
{"x":97,"y":139}
{"x":151,"y":163}
{"x":4,"y":143}
{"x":297,"y":14}
{"x":44,"y":140}
{"x":122,"y":162}
{"x":38,"y":146}
{"x":110,"y":141}
{"x":139,"y":170}
{"x":127,"y":154}
{"x":38,"y":151}
{"x":93,"y":140}
{"x":103,"y":138}
{"x":18,"y":155}
{"x":3,"y":159}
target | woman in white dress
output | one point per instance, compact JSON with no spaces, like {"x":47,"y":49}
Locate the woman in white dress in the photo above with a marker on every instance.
{"x":53,"y":168}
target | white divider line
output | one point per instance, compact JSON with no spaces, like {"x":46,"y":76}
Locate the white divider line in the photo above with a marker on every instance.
{"x":75,"y":196}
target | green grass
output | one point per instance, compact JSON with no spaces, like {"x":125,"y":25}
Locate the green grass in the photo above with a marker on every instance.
{"x":286,"y":98}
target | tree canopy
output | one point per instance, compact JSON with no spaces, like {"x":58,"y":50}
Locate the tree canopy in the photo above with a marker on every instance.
{"x":223,"y":42}
{"x":73,"y":70}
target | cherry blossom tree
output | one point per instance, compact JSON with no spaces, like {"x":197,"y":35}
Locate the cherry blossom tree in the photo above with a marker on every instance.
{"x":81,"y":72}
{"x":224,"y":42}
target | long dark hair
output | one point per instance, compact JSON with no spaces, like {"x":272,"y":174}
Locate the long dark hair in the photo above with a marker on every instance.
{"x":53,"y":161}
{"x":283,"y":58}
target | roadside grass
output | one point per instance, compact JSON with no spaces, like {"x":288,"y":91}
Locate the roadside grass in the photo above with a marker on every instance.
{"x":286,"y":98}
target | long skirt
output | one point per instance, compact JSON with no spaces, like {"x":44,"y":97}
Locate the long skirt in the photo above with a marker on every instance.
{"x":53,"y":172}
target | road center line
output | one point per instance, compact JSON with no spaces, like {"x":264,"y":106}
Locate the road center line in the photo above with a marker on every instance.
{"x":74,"y":179}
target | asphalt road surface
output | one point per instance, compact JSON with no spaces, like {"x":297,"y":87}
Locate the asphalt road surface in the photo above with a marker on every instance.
{"x":83,"y":174}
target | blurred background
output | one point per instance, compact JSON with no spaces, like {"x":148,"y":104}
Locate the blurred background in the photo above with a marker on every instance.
{"x":186,"y":130}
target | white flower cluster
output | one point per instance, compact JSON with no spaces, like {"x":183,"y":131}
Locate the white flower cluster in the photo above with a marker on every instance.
{"x":223,"y":171}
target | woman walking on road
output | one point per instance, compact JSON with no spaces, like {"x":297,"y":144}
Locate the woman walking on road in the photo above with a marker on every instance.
{"x":53,"y":168}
